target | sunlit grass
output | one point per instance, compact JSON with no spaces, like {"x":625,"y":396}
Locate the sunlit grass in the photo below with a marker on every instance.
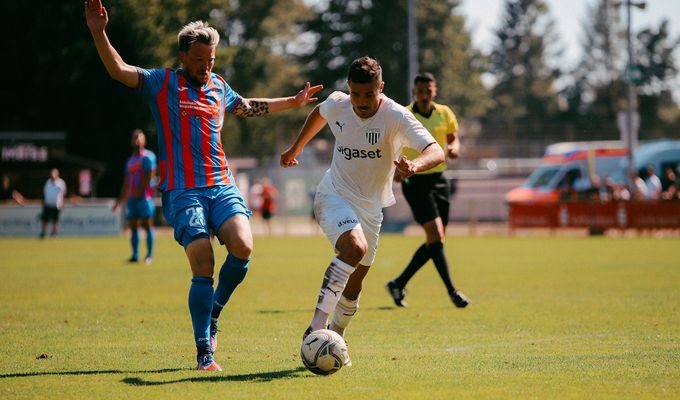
{"x":550,"y":318}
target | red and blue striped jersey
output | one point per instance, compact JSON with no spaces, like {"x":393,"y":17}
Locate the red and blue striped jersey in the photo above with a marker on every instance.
{"x":136,"y":167}
{"x":188,"y":122}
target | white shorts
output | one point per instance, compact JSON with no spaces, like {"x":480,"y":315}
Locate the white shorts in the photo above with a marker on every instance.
{"x":337,"y":215}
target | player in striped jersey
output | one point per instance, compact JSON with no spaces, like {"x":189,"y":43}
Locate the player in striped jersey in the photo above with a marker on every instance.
{"x":198,"y":189}
{"x":137,"y":188}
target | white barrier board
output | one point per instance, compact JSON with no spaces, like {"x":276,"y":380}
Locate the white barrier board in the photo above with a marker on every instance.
{"x":83,"y":219}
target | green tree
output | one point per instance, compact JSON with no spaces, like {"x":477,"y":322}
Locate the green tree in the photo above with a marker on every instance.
{"x":446,"y":50}
{"x":597,"y":89}
{"x":524,"y":93}
{"x":262,"y":61}
{"x":347,"y":29}
{"x":655,"y":59}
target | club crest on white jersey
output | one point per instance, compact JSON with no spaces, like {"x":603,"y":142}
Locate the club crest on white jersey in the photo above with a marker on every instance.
{"x":373,"y":135}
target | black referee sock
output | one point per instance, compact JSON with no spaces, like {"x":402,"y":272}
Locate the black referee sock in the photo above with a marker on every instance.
{"x":436,"y":251}
{"x":419,"y":259}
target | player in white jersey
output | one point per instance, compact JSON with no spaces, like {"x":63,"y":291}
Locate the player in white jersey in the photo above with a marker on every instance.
{"x":370,"y":131}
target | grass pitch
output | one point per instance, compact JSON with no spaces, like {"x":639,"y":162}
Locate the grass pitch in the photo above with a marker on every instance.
{"x":550,"y":318}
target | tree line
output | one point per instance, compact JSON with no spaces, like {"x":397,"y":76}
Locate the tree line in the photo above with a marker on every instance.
{"x":519,"y":91}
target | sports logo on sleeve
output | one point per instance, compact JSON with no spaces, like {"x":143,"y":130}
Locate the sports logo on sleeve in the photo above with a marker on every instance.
{"x":339,"y":125}
{"x":373,"y":135}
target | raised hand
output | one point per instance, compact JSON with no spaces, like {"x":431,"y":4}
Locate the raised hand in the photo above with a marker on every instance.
{"x":96,"y":15}
{"x":405,"y":167}
{"x":305,"y":96}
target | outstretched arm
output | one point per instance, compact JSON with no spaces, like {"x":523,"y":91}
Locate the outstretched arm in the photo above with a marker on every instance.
{"x":97,"y":19}
{"x":431,"y":156}
{"x":313,"y":124}
{"x":256,"y":107}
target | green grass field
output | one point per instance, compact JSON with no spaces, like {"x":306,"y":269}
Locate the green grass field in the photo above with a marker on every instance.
{"x":556,"y":317}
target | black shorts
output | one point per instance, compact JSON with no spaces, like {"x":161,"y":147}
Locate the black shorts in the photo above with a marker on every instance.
{"x":428,"y":197}
{"x":266,"y":214}
{"x":50,"y":214}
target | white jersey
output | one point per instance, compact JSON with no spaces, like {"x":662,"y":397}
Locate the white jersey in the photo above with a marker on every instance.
{"x":365,"y":149}
{"x":54,"y":192}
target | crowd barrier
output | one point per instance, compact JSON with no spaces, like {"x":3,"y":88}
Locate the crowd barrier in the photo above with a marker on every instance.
{"x":597,"y":215}
{"x":88,"y":218}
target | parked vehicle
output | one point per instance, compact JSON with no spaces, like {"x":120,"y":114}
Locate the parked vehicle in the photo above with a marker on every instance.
{"x":575,"y":165}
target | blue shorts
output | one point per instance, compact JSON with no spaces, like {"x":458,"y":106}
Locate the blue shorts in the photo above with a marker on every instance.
{"x":194,"y":212}
{"x":139,"y":208}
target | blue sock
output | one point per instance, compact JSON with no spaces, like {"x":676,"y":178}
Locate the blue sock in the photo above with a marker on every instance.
{"x":232,"y":273}
{"x":200,"y":305}
{"x":134,"y":241}
{"x":150,"y":237}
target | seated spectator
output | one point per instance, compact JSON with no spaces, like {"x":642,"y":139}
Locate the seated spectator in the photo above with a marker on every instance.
{"x":653,"y":183}
{"x":619,"y":192}
{"x":669,"y":188}
{"x":568,"y":185}
{"x":639,"y":189}
{"x":8,"y":192}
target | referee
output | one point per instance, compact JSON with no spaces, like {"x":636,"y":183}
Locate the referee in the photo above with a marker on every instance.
{"x":427,"y":192}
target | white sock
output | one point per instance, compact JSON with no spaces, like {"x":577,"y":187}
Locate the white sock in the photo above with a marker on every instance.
{"x":334,"y":282}
{"x":344,"y":311}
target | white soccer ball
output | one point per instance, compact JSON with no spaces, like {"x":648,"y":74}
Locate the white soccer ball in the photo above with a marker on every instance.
{"x":324,"y":352}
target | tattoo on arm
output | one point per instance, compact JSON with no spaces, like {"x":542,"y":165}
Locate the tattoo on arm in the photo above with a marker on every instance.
{"x":252,"y":108}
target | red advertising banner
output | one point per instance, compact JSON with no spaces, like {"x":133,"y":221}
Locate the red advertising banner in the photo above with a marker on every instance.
{"x":620,"y":215}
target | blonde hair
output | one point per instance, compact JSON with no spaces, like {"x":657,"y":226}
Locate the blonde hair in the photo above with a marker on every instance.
{"x":197,"y":31}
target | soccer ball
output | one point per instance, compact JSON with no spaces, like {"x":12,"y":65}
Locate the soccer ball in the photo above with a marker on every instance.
{"x":324,"y":352}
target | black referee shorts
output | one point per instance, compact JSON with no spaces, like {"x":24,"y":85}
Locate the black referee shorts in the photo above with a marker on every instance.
{"x":428,"y":197}
{"x":50,"y":214}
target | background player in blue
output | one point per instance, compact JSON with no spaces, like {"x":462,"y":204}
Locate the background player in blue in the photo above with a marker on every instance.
{"x":138,"y":189}
{"x":198,"y":191}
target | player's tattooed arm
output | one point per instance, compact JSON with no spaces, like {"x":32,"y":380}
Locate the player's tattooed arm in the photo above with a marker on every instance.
{"x":256,"y":107}
{"x":252,"y":108}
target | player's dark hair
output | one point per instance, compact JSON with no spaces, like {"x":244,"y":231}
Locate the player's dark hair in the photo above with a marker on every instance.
{"x":364,"y":70}
{"x":424,"y":77}
{"x":197,"y":32}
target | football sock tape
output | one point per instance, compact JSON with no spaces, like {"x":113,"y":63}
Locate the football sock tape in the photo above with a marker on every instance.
{"x":334,"y":282}
{"x":344,"y":311}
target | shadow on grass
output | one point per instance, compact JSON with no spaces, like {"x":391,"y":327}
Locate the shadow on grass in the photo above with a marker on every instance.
{"x":382,"y":308}
{"x":281,"y":311}
{"x":102,"y":372}
{"x":258,"y":377}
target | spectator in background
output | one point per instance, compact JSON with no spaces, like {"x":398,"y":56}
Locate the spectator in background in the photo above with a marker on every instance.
{"x":669,"y":188}
{"x":53,"y":201}
{"x":586,"y":187}
{"x":638,"y":187}
{"x":268,"y":206}
{"x":255,"y":196}
{"x":138,"y":189}
{"x":619,"y":191}
{"x":8,"y":192}
{"x":567,"y":186}
{"x":653,"y":183}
